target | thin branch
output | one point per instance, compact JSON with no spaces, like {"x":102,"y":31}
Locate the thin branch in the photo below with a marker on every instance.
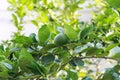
{"x":91,"y":57}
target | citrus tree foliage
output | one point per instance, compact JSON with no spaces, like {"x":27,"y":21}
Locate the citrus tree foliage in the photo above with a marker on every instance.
{"x":61,"y":49}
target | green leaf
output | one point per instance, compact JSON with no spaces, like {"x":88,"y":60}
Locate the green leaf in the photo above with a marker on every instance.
{"x":82,"y":1}
{"x":47,"y":48}
{"x":30,"y":5}
{"x":78,"y":62}
{"x":37,"y":69}
{"x":2,"y":57}
{"x":115,"y":3}
{"x":4,"y":75}
{"x":43,"y":17}
{"x":91,"y":51}
{"x":33,"y":37}
{"x":117,"y":67}
{"x":63,"y":56}
{"x":1,"y":47}
{"x":21,"y":11}
{"x":23,"y":1}
{"x":35,"y":1}
{"x":108,"y":38}
{"x":15,"y":20}
{"x":47,"y":59}
{"x":85,"y":32}
{"x":25,"y":54}
{"x":111,"y":46}
{"x":72,"y":75}
{"x":89,"y":38}
{"x":116,"y":56}
{"x":25,"y":58}
{"x":54,"y":68}
{"x":72,"y":63}
{"x":43,"y":34}
{"x":11,"y":1}
{"x":35,"y":23}
{"x":22,"y":40}
{"x":109,"y":74}
{"x":70,"y":32}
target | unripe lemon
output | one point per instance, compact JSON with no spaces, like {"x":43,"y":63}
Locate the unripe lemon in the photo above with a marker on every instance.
{"x":60,"y":39}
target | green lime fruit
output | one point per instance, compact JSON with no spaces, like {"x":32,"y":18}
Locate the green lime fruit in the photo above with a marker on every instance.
{"x":60,"y":39}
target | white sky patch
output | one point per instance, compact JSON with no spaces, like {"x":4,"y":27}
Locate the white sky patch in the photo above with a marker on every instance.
{"x":3,"y":4}
{"x":7,"y":27}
